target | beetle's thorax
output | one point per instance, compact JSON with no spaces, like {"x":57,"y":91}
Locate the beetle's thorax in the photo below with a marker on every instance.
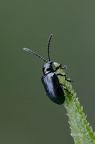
{"x":47,"y":68}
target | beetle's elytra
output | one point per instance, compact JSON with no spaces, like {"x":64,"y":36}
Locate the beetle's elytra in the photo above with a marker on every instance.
{"x":50,"y":81}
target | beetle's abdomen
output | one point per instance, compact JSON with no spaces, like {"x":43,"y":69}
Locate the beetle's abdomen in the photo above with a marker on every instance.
{"x":53,"y":88}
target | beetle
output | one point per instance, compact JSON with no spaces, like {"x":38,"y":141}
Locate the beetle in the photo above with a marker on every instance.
{"x":54,"y":89}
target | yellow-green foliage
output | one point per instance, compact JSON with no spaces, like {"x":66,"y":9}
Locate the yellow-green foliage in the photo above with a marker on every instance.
{"x":81,"y":132}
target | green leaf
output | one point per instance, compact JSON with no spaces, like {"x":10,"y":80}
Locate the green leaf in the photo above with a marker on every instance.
{"x":81,"y":132}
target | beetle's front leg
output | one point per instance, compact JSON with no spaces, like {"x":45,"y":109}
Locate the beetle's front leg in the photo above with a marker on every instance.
{"x":61,"y":74}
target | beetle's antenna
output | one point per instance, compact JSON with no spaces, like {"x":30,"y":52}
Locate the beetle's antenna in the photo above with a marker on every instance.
{"x":34,"y":53}
{"x":49,"y":41}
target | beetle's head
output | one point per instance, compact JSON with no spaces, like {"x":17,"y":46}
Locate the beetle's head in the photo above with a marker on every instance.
{"x":47,"y":68}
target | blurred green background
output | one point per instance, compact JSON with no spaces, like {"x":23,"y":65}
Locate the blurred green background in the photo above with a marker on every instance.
{"x":27,"y":116}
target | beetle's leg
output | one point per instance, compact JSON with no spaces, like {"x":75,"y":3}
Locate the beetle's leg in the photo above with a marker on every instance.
{"x":63,"y":67}
{"x":61,"y":74}
{"x":65,"y":88}
{"x":57,"y":67}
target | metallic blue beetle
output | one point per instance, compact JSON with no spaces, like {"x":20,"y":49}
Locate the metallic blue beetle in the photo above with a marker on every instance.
{"x":50,"y":80}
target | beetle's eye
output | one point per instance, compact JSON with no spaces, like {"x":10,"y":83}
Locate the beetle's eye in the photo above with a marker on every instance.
{"x":48,"y":69}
